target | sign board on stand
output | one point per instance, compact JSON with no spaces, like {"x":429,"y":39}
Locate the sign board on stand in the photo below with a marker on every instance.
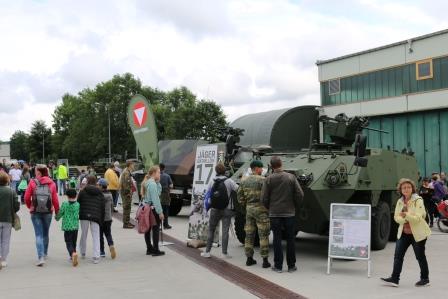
{"x":349,"y":233}
{"x":207,"y":156}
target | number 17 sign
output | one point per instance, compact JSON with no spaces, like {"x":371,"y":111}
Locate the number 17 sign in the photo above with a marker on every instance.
{"x":204,"y":173}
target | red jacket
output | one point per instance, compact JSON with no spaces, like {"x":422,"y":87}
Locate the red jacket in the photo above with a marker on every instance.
{"x":32,"y":187}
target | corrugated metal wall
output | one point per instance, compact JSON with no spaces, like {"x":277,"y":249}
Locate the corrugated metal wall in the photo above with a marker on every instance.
{"x":426,"y":133}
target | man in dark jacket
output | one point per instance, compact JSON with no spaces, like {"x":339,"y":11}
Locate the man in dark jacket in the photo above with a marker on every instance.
{"x":281,"y":195}
{"x":91,"y":214}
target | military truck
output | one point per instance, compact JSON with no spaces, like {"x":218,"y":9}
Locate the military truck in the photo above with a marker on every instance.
{"x":342,"y":170}
{"x":179,"y":157}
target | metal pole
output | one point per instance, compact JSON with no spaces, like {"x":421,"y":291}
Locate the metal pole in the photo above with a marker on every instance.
{"x":43,"y":147}
{"x":108,"y":116}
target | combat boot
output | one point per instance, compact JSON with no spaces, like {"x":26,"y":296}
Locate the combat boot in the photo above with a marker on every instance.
{"x":250,"y":261}
{"x":266,"y":263}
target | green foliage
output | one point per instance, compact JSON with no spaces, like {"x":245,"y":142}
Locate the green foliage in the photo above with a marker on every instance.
{"x":39,"y":142}
{"x":19,"y":145}
{"x":80,"y":123}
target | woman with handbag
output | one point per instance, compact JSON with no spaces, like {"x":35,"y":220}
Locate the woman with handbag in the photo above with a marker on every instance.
{"x":152,"y":198}
{"x":24,"y":181}
{"x":9,"y":205}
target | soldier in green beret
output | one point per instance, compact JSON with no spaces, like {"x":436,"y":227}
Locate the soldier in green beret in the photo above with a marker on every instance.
{"x":249,"y":196}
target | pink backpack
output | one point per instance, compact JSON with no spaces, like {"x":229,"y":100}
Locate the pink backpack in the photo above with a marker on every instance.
{"x":145,"y":218}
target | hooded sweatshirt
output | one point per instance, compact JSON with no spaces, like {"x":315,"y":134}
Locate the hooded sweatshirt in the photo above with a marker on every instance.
{"x":91,"y":204}
{"x":29,"y":193}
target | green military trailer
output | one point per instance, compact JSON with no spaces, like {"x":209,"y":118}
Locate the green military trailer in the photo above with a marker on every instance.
{"x":342,"y":170}
{"x":179,"y":157}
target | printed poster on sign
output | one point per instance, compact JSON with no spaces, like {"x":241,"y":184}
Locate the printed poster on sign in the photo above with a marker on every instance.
{"x":350,"y":231}
{"x":204,"y":173}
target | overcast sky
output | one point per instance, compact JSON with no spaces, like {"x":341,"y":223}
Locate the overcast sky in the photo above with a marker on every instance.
{"x":248,"y":56}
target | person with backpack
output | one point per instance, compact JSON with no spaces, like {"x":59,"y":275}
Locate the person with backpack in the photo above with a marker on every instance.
{"x":152,"y":198}
{"x":106,"y":227}
{"x":223,"y":190}
{"x":91,"y":215}
{"x":9,"y":205}
{"x":69,"y":212}
{"x":42,"y":200}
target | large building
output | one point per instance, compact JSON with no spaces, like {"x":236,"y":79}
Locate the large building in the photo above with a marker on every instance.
{"x":403,"y":88}
{"x":5,"y":151}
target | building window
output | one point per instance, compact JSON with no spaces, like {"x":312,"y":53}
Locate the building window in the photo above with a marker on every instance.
{"x":334,"y":86}
{"x":423,"y":69}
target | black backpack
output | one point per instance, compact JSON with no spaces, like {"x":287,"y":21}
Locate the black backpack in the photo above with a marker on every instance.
{"x":219,"y":198}
{"x":42,"y":198}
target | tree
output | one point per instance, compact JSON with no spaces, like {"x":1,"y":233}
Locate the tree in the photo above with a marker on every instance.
{"x":39,"y":142}
{"x":19,"y":146}
{"x":80,"y":123}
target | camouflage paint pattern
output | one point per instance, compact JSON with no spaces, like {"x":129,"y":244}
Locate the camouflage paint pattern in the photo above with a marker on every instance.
{"x":143,"y":126}
{"x":249,"y":196}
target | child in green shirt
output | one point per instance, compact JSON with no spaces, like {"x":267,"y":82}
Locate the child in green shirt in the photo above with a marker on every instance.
{"x":69,"y":212}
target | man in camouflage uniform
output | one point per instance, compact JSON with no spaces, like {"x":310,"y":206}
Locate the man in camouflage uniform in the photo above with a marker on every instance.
{"x":249,"y":196}
{"x":126,"y":186}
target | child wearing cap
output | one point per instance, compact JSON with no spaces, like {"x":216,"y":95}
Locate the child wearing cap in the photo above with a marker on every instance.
{"x":69,"y":212}
{"x":106,"y":227}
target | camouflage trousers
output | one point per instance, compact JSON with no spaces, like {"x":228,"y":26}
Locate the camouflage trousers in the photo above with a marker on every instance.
{"x":257,"y":217}
{"x":126,"y":204}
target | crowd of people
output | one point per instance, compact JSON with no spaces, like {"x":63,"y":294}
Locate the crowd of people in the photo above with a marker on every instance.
{"x":90,"y":205}
{"x":270,"y":203}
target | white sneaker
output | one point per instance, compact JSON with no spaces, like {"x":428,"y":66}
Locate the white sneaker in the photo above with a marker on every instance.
{"x":226,"y":255}
{"x":40,"y":262}
{"x":206,"y":254}
{"x":4,"y":264}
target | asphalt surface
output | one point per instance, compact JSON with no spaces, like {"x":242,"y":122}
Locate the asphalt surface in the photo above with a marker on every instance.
{"x":134,"y":274}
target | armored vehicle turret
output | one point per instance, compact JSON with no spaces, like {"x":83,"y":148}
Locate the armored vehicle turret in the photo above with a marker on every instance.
{"x":342,"y":170}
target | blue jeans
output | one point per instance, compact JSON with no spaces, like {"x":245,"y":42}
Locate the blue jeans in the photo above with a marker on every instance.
{"x":41,"y":223}
{"x":288,"y":225}
{"x":61,"y":187}
{"x":401,"y":246}
{"x":14,"y":185}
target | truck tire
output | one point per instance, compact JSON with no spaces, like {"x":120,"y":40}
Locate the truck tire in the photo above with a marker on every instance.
{"x":381,"y":226}
{"x":240,"y":221}
{"x":175,"y":206}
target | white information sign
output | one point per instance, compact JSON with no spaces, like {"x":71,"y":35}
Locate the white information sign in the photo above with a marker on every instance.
{"x":349,"y":236}
{"x":204,"y":173}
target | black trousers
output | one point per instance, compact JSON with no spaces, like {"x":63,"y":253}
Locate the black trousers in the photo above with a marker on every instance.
{"x":70,"y":238}
{"x":154,"y":246}
{"x":401,"y":246}
{"x":288,"y":225}
{"x":166,"y":212}
{"x":106,"y":231}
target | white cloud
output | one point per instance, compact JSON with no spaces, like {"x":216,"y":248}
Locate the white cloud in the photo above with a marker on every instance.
{"x":248,"y":55}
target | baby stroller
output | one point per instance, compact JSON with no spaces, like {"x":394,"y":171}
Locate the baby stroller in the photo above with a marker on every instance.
{"x":442,"y":223}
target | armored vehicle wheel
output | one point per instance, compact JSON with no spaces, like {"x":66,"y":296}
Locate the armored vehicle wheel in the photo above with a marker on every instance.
{"x":240,"y":221}
{"x":175,"y":206}
{"x":381,"y":224}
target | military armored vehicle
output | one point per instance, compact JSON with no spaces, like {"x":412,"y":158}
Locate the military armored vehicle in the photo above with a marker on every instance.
{"x":342,"y":170}
{"x":179,"y":157}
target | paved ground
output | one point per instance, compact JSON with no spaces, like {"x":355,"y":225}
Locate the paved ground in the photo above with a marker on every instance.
{"x":133,"y":274}
{"x":348,"y":278}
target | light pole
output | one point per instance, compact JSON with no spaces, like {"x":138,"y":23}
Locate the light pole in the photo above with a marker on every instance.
{"x":43,"y":146}
{"x":108,"y":118}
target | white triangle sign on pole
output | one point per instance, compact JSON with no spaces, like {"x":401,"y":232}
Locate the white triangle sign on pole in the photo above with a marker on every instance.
{"x":139,"y":112}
